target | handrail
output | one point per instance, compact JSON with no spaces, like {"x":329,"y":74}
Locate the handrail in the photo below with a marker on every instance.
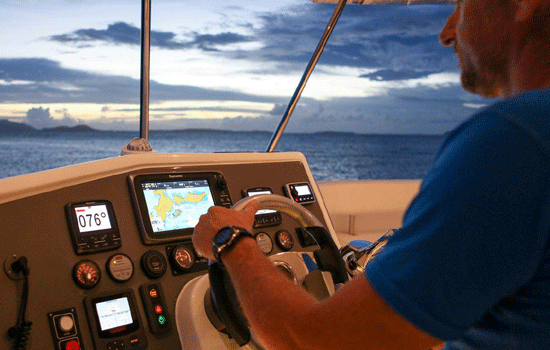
{"x":313,"y":61}
{"x":145,"y":62}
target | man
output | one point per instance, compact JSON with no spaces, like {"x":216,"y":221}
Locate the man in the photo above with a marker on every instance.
{"x":471,"y":264}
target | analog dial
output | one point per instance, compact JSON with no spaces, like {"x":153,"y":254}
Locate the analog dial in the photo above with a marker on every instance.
{"x":284,"y":240}
{"x":86,"y":274}
{"x":264,"y":242}
{"x":183,"y":257}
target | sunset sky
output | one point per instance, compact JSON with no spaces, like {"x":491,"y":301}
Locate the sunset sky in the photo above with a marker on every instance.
{"x":228,"y":64}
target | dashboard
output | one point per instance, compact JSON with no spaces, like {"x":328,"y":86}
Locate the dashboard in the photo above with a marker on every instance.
{"x":108,"y":243}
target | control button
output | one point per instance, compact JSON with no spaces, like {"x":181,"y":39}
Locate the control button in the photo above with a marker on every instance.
{"x":158,"y":309}
{"x":222,"y":184}
{"x":134,"y":341}
{"x":153,"y":264}
{"x":153,"y":293}
{"x":162,"y":319}
{"x":71,"y":344}
{"x":65,"y":323}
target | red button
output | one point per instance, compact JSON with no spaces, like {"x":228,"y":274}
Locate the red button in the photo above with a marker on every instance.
{"x":72,"y":345}
{"x":158,"y":309}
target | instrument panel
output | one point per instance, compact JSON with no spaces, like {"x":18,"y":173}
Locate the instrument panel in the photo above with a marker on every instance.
{"x":109,"y":256}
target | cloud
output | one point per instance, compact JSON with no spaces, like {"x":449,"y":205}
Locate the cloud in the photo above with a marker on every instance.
{"x":47,"y":82}
{"x":422,"y":110}
{"x":40,"y":118}
{"x":117,"y":33}
{"x":392,"y":74}
{"x":124,"y":33}
{"x":393,"y":37}
{"x":392,"y":43}
{"x":210,"y":42}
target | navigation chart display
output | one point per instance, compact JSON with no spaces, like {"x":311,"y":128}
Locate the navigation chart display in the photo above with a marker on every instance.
{"x":176,"y":205}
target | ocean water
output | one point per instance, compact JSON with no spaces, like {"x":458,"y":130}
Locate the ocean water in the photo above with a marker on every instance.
{"x":331,"y":156}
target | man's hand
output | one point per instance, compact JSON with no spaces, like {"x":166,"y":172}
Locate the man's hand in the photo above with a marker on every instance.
{"x":218,"y":218}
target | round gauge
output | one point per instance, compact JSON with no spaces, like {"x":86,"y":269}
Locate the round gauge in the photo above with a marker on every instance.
{"x":120,"y":268}
{"x":284,"y":240}
{"x":86,"y":274}
{"x":153,"y":264}
{"x":264,"y":242}
{"x":183,"y":257}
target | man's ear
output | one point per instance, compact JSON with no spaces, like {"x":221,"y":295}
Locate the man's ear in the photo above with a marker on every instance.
{"x":524,"y":9}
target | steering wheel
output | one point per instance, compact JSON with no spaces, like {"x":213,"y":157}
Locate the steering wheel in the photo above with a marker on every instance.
{"x":222,"y":295}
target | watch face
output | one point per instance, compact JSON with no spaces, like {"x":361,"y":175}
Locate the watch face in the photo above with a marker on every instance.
{"x":223,"y":235}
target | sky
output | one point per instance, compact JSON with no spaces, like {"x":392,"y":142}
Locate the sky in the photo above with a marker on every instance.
{"x":232,"y":65}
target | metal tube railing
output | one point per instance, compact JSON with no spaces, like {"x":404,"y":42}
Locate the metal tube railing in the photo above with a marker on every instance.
{"x":145,"y":62}
{"x":316,"y":55}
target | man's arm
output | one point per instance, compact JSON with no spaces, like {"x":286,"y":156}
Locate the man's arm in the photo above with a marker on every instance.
{"x":285,"y":316}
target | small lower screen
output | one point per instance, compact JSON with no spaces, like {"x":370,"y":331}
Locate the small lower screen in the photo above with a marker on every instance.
{"x":176,"y":205}
{"x":303,"y":190}
{"x":262,"y":211}
{"x":114,"y":313}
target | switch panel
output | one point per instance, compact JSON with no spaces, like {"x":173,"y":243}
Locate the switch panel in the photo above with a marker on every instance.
{"x":154,"y":304}
{"x":65,"y":331}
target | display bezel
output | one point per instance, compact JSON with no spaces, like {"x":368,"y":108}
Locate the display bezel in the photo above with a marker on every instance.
{"x":141,"y":209}
{"x":121,"y":330}
{"x":292,"y":193}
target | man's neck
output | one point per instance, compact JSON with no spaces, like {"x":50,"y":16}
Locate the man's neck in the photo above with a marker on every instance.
{"x":530,"y":68}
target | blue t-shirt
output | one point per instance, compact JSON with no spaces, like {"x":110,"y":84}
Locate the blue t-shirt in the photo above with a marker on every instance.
{"x":471,"y":264}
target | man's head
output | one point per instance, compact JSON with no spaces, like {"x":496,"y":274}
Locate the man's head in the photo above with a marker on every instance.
{"x":489,"y":38}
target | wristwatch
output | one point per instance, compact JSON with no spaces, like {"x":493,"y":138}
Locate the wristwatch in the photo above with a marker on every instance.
{"x":226,"y":238}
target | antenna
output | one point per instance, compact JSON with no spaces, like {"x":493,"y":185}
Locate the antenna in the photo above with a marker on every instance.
{"x":142,"y":144}
{"x":313,"y":61}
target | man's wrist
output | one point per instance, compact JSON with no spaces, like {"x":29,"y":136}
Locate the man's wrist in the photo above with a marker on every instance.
{"x":226,"y":238}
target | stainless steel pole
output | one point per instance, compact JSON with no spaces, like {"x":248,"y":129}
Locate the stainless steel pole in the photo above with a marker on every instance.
{"x":316,"y":55}
{"x":145,"y":52}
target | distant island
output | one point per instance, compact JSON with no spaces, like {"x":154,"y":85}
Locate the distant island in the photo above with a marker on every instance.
{"x":7,"y":126}
{"x":77,"y":128}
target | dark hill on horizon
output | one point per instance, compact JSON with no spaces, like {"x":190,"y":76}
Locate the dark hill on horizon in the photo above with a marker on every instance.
{"x":7,"y":126}
{"x":77,"y":128}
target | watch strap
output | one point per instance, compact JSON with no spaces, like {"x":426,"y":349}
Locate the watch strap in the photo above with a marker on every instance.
{"x":233,"y":233}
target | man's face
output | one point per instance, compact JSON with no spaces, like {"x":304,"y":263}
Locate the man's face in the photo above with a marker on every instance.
{"x":479,"y":32}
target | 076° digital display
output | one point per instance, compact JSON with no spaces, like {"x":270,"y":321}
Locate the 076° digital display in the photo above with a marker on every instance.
{"x":93,"y":226}
{"x":90,"y":218}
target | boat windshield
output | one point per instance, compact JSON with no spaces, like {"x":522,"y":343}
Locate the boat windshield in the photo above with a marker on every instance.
{"x":222,"y":73}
